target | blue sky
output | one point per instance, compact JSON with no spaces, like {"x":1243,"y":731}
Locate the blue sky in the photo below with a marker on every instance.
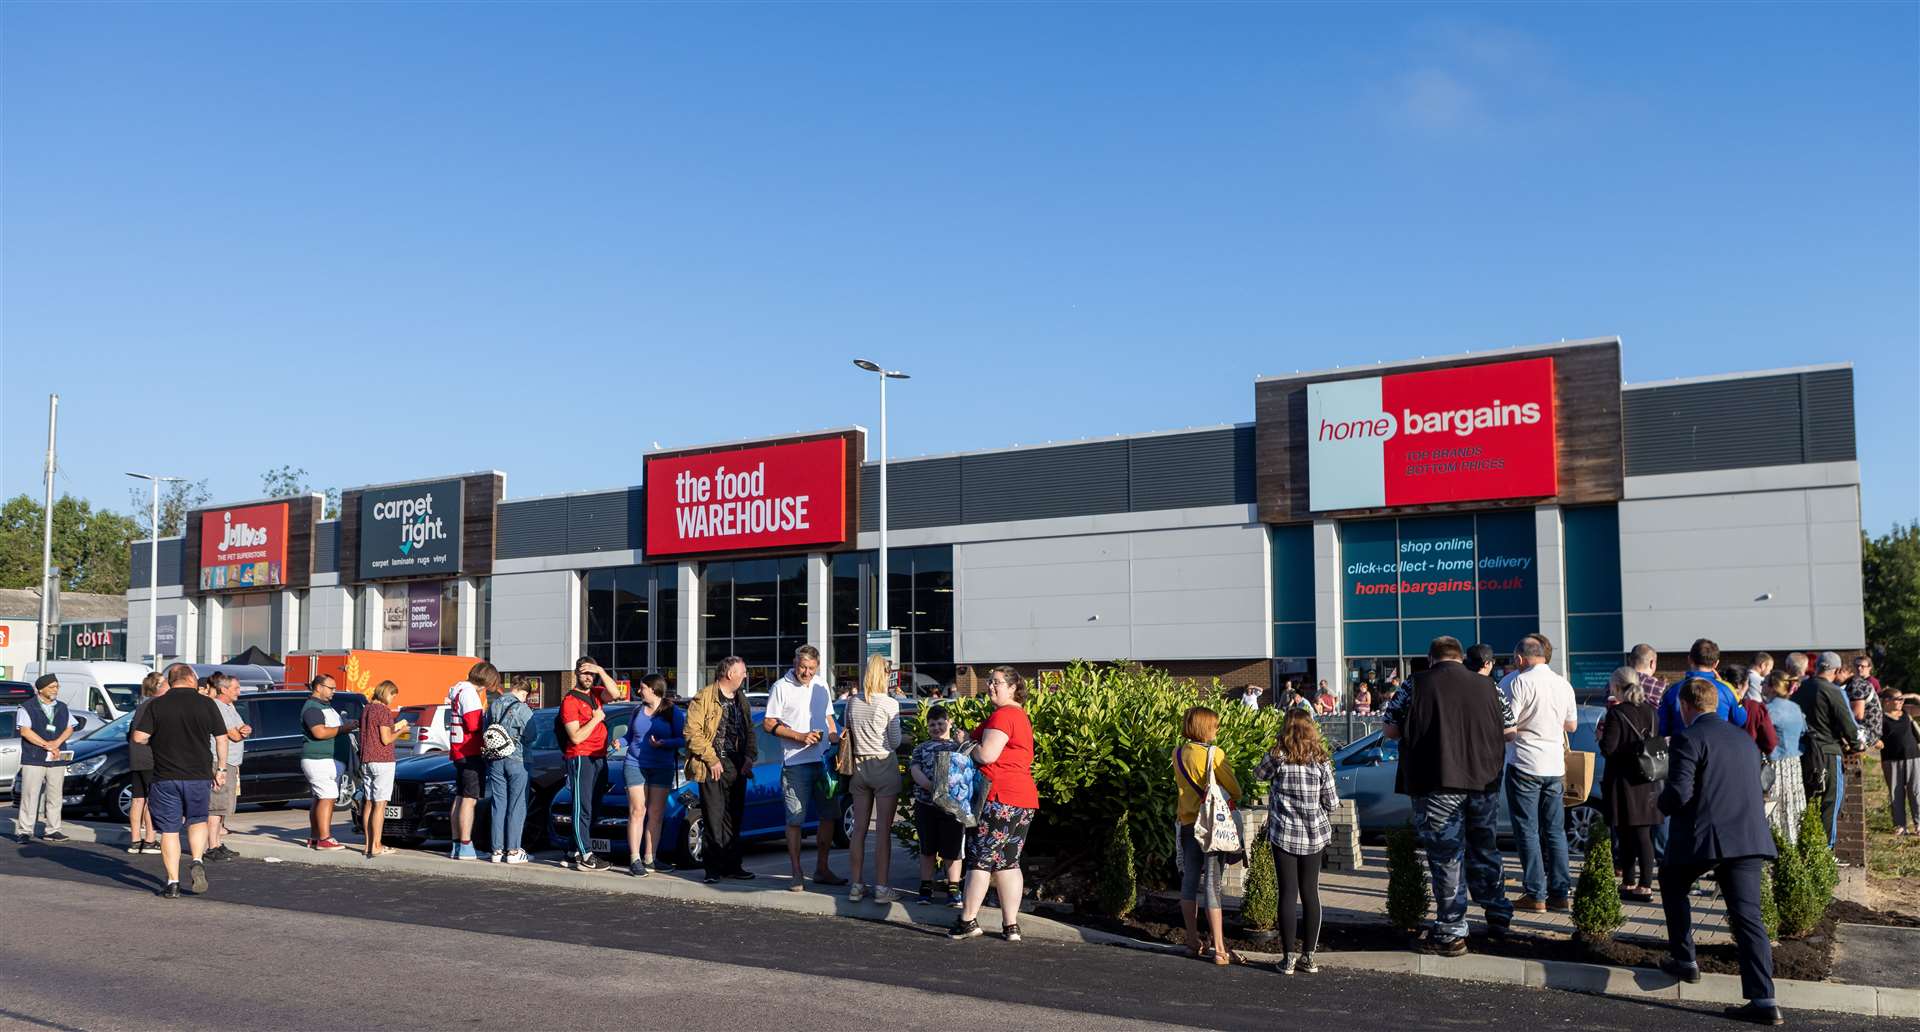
{"x":382,"y":242}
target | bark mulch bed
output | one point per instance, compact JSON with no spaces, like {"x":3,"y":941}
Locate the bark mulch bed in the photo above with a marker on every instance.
{"x":1809,"y":958}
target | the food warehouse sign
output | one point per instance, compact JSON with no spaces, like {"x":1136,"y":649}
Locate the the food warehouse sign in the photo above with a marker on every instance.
{"x":757,"y":498}
{"x":1466,"y":433}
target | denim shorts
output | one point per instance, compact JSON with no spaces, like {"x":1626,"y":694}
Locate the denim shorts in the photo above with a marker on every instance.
{"x":651,"y":777}
{"x":176,"y":804}
{"x":800,"y":782}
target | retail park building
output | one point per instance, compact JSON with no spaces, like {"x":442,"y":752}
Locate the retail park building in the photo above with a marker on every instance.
{"x":1360,"y":513}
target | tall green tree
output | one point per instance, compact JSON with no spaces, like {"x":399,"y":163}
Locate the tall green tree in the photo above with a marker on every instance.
{"x":1890,"y":575}
{"x":90,"y":547}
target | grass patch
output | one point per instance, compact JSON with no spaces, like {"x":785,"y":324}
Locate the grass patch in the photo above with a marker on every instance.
{"x":1887,"y":856}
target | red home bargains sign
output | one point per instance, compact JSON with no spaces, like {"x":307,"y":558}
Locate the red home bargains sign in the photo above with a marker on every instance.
{"x":761,"y":498}
{"x":244,"y":547}
{"x":1465,"y":433}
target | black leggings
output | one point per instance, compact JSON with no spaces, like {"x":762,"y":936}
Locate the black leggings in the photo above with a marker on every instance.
{"x":1631,"y":844}
{"x":1299,"y":879}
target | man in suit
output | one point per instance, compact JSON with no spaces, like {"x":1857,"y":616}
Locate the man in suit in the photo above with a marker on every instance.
{"x":1719,"y":824}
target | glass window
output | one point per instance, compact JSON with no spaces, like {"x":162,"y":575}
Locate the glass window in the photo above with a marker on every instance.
{"x":630,"y":621}
{"x":273,"y":718}
{"x":246,"y":621}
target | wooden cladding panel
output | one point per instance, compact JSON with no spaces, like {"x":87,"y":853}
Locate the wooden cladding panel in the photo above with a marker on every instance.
{"x":1588,"y":439}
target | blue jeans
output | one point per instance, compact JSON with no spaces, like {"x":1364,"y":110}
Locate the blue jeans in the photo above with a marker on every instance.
{"x":585,"y":777}
{"x":1458,"y":829}
{"x":1540,"y":820}
{"x":507,"y":802}
{"x":1835,"y":794}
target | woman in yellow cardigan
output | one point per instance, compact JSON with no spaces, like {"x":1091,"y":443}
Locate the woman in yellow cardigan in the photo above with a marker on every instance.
{"x":1200,"y":872}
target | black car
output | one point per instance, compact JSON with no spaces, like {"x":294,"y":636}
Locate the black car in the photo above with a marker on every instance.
{"x":423,"y":786}
{"x":98,"y":780}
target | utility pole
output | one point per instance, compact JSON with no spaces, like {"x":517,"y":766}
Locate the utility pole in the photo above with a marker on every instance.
{"x":46,"y":541}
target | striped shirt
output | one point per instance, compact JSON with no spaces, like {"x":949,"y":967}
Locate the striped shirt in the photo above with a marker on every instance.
{"x":1300,"y":798}
{"x":873,"y":727}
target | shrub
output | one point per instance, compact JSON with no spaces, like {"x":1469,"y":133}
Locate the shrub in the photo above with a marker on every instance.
{"x":1596,"y":899}
{"x":1769,"y":907}
{"x":1260,"y":907}
{"x":1406,"y":880}
{"x":1115,"y":890}
{"x":1817,"y":854}
{"x":1796,"y":894}
{"x":1103,"y":753}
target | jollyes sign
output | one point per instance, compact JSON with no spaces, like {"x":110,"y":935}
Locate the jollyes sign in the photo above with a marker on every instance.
{"x":244,"y":547}
{"x":1465,"y":433}
{"x":761,"y":497}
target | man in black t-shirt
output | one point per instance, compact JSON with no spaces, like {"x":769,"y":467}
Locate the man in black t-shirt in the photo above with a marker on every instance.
{"x":177,"y":725}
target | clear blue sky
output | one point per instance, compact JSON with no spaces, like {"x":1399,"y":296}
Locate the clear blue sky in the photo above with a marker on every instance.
{"x":385,"y":241}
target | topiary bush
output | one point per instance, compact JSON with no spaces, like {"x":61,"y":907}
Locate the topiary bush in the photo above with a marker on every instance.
{"x":1596,"y":898}
{"x":1115,"y":890}
{"x":1769,"y":908}
{"x":1817,"y":853}
{"x":1406,"y":880}
{"x":1797,"y":898}
{"x":1260,"y":905}
{"x":1103,"y":753}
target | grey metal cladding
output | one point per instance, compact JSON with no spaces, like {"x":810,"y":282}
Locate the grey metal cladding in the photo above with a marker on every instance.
{"x":920,"y":493}
{"x":170,"y":551}
{"x":326,"y":546}
{"x":537,"y":526}
{"x":1044,"y":483}
{"x":1175,"y":471}
{"x":1778,"y":420}
{"x":605,"y":522}
{"x":1830,"y":430}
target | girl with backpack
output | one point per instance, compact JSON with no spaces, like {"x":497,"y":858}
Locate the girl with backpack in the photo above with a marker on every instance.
{"x":1200,"y":871}
{"x":653,"y":742}
{"x":504,"y":745}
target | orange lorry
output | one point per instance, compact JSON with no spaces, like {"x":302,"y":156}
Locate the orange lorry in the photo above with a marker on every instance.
{"x":423,"y":678}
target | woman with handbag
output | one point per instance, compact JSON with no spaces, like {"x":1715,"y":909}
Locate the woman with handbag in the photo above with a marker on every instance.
{"x":1300,"y":801}
{"x":1631,"y":797}
{"x":1198,"y":768}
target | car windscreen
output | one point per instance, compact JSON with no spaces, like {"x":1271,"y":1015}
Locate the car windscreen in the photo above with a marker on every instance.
{"x":9,"y":725}
{"x":123,"y":695}
{"x":116,"y":728}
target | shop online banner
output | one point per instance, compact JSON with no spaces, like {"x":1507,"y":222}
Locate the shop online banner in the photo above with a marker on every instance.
{"x":1442,"y":435}
{"x":767,"y":497}
{"x":244,"y":547}
{"x":411,"y":531}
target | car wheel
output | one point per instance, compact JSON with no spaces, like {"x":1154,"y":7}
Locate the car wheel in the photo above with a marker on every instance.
{"x":122,"y":796}
{"x":843,"y":832}
{"x":1581,"y":823}
{"x":692,"y":840}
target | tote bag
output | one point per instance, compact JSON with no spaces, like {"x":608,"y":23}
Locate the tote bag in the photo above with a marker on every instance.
{"x":1216,"y":828}
{"x":1578,"y":783}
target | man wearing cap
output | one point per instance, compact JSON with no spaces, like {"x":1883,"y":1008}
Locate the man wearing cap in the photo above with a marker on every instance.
{"x":43,"y":774}
{"x":1831,"y":734}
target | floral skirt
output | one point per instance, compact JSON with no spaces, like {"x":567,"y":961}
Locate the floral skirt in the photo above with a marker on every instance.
{"x":995,"y":844}
{"x":1788,"y":800}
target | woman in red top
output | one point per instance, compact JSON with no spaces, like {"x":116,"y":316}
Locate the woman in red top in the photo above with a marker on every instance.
{"x":1003,"y":751}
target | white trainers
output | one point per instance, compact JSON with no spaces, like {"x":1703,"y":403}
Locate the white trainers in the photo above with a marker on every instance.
{"x":885,"y":894}
{"x":518,"y":856}
{"x":855,"y":891}
{"x":496,"y":857}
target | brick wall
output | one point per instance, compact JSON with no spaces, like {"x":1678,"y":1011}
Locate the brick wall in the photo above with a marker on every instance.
{"x":1852,"y":847}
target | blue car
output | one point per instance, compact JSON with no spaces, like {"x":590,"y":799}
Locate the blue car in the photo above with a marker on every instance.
{"x":1364,"y":772}
{"x":681,"y":832}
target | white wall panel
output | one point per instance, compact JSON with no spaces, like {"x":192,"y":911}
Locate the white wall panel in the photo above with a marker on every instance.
{"x":1179,"y":593}
{"x":532,"y":628}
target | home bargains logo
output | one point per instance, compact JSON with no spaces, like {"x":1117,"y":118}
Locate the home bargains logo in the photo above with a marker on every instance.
{"x":1466,"y":433}
{"x":774,"y":496}
{"x":244,"y":547}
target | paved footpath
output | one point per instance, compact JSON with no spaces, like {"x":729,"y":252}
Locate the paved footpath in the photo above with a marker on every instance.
{"x":366,"y":945}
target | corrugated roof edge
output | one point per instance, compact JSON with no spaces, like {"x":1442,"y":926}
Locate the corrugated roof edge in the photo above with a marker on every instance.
{"x":1749,"y":375}
{"x":1417,"y":363}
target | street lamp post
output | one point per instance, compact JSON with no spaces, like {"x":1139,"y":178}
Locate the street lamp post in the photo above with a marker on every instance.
{"x":153,"y":564}
{"x":883,"y":375}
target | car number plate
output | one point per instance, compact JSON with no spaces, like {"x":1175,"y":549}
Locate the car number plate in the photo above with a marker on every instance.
{"x":393,"y":813}
{"x":599,"y":845}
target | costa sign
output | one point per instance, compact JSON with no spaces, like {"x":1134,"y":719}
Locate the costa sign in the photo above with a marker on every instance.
{"x":1465,"y":433}
{"x":244,"y":547}
{"x":759,"y":498}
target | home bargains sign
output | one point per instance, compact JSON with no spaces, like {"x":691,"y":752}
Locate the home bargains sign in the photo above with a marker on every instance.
{"x":243,"y":548}
{"x":770,"y":497}
{"x":1465,"y":433}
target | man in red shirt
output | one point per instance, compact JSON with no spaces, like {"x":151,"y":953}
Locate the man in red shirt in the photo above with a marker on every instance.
{"x":466,"y":705}
{"x":583,"y":744}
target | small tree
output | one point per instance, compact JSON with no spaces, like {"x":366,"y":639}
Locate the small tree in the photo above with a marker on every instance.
{"x":1260,"y":907}
{"x":1817,"y":853}
{"x":1406,"y":880}
{"x":1769,"y":907}
{"x":1796,"y":894}
{"x":1115,"y":892}
{"x":1596,"y":899}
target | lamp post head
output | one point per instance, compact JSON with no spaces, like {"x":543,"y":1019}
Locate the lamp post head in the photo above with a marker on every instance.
{"x":871,"y":367}
{"x":895,"y":374}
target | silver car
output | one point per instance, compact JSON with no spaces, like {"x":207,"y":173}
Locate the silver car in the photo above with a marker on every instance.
{"x":9,"y":749}
{"x":1364,"y":772}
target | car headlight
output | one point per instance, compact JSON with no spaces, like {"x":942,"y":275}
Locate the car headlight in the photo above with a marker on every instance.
{"x":87,"y":766}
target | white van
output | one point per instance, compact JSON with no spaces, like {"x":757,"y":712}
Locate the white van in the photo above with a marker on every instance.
{"x":96,"y":692}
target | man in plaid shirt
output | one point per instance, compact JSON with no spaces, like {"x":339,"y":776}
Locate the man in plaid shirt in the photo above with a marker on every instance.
{"x":1452,"y":728}
{"x":1643,"y":659}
